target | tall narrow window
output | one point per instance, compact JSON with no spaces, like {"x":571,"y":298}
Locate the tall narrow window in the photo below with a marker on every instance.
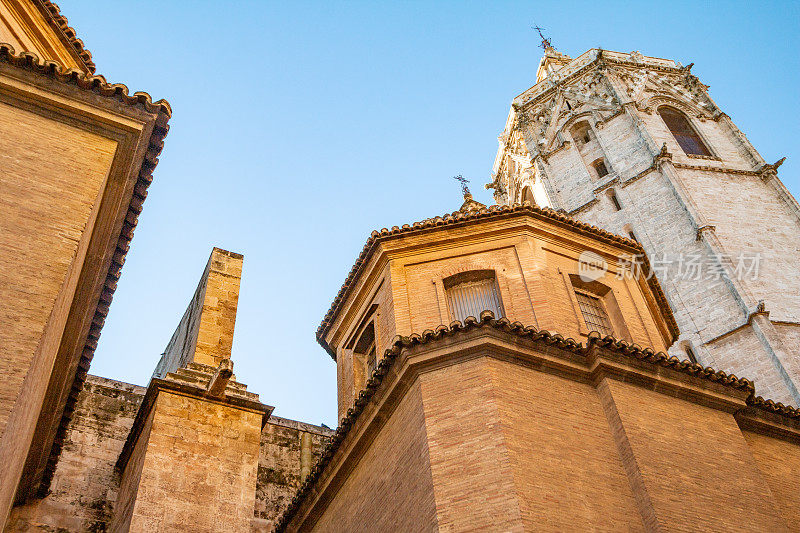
{"x":594,"y":313}
{"x":365,"y":347}
{"x":687,"y":137}
{"x":600,"y":168}
{"x":472,"y":292}
{"x":690,"y":353}
{"x":614,"y":200}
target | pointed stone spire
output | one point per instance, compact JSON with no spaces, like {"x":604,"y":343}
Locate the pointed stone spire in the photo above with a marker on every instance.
{"x":551,"y":61}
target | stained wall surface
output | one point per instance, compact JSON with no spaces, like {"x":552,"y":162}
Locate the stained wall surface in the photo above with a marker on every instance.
{"x":288,"y":451}
{"x":85,"y":487}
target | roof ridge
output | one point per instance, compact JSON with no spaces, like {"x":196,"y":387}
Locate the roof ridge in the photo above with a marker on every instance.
{"x":481,"y":213}
{"x":487,"y":319}
{"x":52,"y":13}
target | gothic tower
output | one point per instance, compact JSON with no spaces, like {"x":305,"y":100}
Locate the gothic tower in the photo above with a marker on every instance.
{"x":635,"y":145}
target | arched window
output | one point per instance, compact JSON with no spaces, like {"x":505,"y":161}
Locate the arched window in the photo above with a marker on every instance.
{"x":687,"y":137}
{"x":469,"y":293}
{"x":581,"y":133}
{"x":527,"y":195}
{"x":599,"y":166}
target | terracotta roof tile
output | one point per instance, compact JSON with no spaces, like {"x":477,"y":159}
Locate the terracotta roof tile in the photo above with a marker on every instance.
{"x":774,"y":407}
{"x":52,"y":13}
{"x":484,"y":213}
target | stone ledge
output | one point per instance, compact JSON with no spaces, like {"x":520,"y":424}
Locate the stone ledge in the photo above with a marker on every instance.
{"x":192,"y":388}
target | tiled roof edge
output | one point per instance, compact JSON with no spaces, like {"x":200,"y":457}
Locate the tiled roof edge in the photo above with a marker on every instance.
{"x":52,"y":13}
{"x":514,"y":328}
{"x":774,"y":407}
{"x":483,"y":213}
{"x":99,"y":85}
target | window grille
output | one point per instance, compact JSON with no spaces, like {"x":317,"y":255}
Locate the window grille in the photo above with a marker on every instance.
{"x":594,"y":314}
{"x":469,"y":298}
{"x":687,"y":138}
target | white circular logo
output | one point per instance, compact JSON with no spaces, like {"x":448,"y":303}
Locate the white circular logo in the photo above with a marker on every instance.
{"x":591,"y":266}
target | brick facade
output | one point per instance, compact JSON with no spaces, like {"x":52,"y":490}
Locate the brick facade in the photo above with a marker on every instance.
{"x":455,"y":423}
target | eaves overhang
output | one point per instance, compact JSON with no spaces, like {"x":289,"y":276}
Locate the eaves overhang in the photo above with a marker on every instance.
{"x":95,"y":91}
{"x":477,"y":216}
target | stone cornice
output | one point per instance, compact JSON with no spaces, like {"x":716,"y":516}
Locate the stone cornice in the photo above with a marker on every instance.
{"x":721,"y":170}
{"x":598,"y":359}
{"x":193,"y":382}
{"x":770,"y":418}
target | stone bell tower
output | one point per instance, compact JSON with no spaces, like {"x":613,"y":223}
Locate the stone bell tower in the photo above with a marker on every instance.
{"x":635,"y":145}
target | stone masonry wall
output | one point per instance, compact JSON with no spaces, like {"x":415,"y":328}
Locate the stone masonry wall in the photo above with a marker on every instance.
{"x":288,"y":451}
{"x":205,"y":333}
{"x":85,"y":486}
{"x":748,"y":215}
{"x":201,"y":457}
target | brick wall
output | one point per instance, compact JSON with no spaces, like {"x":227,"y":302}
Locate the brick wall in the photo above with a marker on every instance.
{"x":535,"y":266}
{"x":39,"y":237}
{"x":778,"y":460}
{"x":391,"y":489}
{"x":689,"y":465}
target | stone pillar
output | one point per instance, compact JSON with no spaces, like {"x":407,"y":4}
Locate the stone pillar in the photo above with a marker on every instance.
{"x":191,"y":459}
{"x":205,"y":333}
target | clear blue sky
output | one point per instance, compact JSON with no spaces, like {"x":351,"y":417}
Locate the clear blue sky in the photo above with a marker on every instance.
{"x":300,"y":127}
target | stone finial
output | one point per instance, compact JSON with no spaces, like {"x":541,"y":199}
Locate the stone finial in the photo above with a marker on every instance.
{"x":470,"y":204}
